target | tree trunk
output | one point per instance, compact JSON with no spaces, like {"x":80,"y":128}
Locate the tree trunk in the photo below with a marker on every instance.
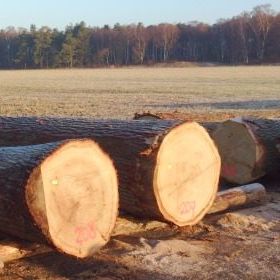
{"x":62,"y":192}
{"x":238,"y":197}
{"x":168,"y":170}
{"x":248,"y":148}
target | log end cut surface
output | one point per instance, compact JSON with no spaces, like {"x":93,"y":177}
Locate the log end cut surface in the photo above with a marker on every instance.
{"x":240,"y":152}
{"x":187,"y":174}
{"x":73,"y":197}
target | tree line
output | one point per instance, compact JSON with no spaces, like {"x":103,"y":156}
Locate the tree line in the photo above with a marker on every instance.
{"x":249,"y":38}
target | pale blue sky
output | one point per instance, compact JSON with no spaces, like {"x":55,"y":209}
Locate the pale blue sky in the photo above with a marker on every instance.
{"x":59,"y":13}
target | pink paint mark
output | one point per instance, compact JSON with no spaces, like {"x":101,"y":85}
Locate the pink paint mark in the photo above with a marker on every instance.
{"x":187,"y":207}
{"x":229,"y":170}
{"x":85,"y":233}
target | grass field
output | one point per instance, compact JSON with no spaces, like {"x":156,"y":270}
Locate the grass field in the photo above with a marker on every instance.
{"x":119,"y":93}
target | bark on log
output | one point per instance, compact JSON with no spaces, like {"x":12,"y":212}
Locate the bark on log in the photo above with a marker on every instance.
{"x":238,"y":197}
{"x":210,"y":126}
{"x":65,"y":193}
{"x":248,"y":148}
{"x":168,"y":170}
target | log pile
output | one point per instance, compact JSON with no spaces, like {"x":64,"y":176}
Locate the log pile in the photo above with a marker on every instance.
{"x":168,"y":170}
{"x":67,"y":192}
{"x":249,"y":147}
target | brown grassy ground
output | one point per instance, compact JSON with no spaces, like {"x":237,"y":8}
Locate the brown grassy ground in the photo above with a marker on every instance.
{"x":119,"y":93}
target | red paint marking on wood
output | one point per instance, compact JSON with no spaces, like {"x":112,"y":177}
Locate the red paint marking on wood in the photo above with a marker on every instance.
{"x":187,"y":207}
{"x":85,"y":233}
{"x":229,"y":170}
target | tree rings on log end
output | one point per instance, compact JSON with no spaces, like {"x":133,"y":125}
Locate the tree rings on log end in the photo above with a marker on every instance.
{"x":73,"y":197}
{"x":187,"y":174}
{"x":240,"y":151}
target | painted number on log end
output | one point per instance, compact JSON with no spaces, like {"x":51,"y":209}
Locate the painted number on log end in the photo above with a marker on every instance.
{"x":85,"y":233}
{"x":229,"y":170}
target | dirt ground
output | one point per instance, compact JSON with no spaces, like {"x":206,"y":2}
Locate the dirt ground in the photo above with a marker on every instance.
{"x":243,"y":244}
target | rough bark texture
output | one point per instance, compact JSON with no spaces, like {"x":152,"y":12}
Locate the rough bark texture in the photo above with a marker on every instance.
{"x":17,"y":163}
{"x":238,"y":197}
{"x":261,"y":137}
{"x":210,"y":126}
{"x":133,"y":145}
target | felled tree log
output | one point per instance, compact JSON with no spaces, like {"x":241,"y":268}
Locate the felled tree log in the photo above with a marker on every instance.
{"x":168,"y":170}
{"x":65,"y":193}
{"x":248,"y":148}
{"x":238,"y":197}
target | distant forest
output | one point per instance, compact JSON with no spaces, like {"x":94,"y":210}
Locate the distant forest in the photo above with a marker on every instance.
{"x":250,"y":38}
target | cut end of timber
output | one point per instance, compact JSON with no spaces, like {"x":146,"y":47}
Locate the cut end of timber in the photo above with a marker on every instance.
{"x":73,"y":197}
{"x":240,"y":151}
{"x":187,"y":174}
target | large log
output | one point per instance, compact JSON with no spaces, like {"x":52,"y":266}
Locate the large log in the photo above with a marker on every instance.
{"x":65,"y":193}
{"x":238,"y":197}
{"x":248,"y":148}
{"x":168,"y":170}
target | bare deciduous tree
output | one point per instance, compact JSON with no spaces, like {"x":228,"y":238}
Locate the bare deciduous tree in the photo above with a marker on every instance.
{"x":261,"y":22}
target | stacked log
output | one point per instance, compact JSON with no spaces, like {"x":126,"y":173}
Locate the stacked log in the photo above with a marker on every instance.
{"x":248,"y":148}
{"x":63,"y":192}
{"x":168,"y":170}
